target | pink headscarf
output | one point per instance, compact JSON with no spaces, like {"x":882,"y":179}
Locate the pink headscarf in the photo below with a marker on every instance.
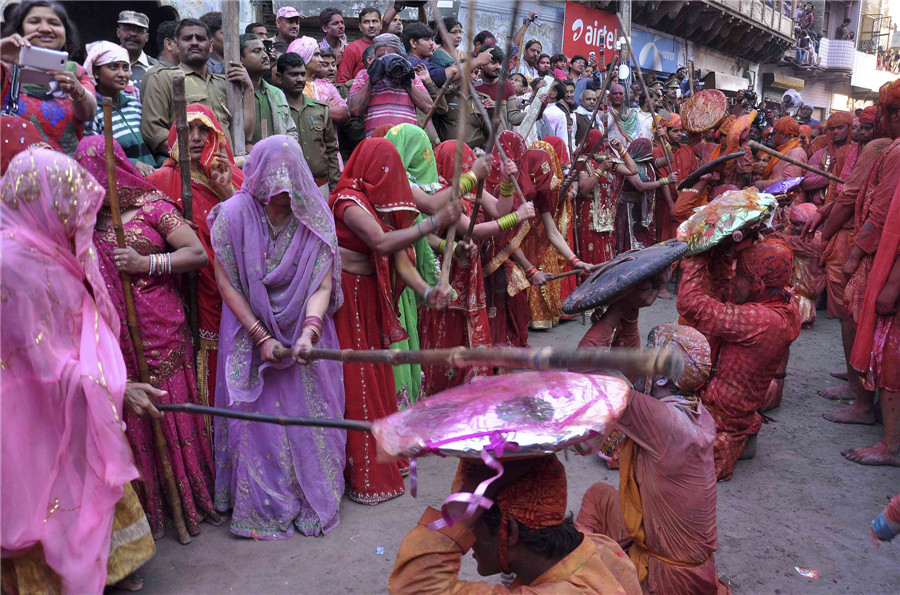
{"x":65,"y":457}
{"x":304,"y":47}
{"x":103,"y":52}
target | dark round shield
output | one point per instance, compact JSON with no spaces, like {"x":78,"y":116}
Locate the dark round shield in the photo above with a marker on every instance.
{"x":708,"y":167}
{"x":621,"y":274}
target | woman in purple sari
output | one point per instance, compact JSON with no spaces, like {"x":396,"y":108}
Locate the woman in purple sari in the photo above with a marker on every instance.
{"x":160,"y":245}
{"x":278,"y":270}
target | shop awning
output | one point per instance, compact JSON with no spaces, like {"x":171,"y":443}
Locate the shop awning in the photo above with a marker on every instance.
{"x":725,"y":82}
{"x":783,"y":81}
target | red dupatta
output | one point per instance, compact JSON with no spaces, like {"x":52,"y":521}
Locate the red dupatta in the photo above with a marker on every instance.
{"x":375,"y":180}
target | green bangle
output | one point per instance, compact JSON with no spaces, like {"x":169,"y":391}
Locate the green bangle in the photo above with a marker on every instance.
{"x":507,"y":188}
{"x":663,"y":182}
{"x":467,"y":182}
{"x":508,"y":221}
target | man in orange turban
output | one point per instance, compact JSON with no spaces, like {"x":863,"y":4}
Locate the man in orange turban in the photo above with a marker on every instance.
{"x":787,"y":141}
{"x":834,"y":146}
{"x":873,"y":290}
{"x":754,"y":329}
{"x":525,"y":531}
{"x":686,"y":162}
{"x":664,"y":512}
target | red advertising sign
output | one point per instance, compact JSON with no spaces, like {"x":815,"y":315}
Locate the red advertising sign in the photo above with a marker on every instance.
{"x":587,"y":30}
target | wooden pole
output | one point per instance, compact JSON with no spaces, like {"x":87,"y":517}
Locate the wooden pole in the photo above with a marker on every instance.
{"x":637,"y":68}
{"x":320,"y":422}
{"x":755,"y":145}
{"x":134,"y":328}
{"x":231,"y":32}
{"x":440,"y":95}
{"x":691,"y":75}
{"x":666,"y":361}
{"x":187,"y":200}
{"x":562,"y":275}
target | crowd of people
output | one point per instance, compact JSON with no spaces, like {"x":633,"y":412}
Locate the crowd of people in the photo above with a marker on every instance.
{"x":326,"y":228}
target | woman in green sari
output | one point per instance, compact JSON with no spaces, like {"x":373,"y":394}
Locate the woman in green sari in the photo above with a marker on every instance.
{"x":430,"y":196}
{"x":445,"y":56}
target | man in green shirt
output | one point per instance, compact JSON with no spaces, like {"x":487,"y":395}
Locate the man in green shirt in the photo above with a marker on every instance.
{"x":273,"y":116}
{"x":200,"y":85}
{"x":313,"y":121}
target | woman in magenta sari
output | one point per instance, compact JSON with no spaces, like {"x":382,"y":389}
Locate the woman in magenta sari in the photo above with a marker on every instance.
{"x":161,"y":244}
{"x":278,"y":269}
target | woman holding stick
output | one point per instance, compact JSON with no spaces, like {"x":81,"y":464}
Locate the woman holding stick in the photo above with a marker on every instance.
{"x":598,"y":186}
{"x":465,"y":322}
{"x":161,"y":244}
{"x":278,"y":267}
{"x":636,"y":205}
{"x":214,"y":178}
{"x":375,"y":214}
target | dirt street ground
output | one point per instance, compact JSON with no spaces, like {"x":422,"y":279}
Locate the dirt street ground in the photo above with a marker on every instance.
{"x":798,"y":503}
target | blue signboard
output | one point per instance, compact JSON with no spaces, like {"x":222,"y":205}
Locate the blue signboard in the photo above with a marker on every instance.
{"x":656,"y":52}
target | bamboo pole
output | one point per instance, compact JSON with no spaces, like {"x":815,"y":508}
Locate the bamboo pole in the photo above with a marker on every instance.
{"x":691,"y":80}
{"x":637,"y":68}
{"x":281,"y":420}
{"x":231,"y":32}
{"x":666,"y":361}
{"x":187,"y":198}
{"x":440,"y":95}
{"x":495,"y":121}
{"x":134,"y":328}
{"x":759,"y":147}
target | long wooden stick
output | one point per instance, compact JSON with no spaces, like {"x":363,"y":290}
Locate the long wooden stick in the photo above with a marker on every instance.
{"x":755,"y":145}
{"x":691,"y":80}
{"x":440,"y":95}
{"x":281,"y":420}
{"x":234,"y":94}
{"x":187,"y":199}
{"x":499,"y":104}
{"x":562,"y":275}
{"x":134,"y":328}
{"x":664,"y":361}
{"x":637,"y":68}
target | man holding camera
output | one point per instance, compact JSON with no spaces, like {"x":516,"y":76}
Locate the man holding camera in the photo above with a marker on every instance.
{"x":389,"y":91}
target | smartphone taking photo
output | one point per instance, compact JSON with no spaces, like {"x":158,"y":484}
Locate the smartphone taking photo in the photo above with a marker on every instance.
{"x":37,"y":65}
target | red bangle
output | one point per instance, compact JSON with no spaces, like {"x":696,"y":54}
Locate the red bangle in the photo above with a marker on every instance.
{"x":530,"y":273}
{"x":573,"y":262}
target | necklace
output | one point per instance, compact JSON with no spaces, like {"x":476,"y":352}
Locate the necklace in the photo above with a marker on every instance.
{"x":274,"y":231}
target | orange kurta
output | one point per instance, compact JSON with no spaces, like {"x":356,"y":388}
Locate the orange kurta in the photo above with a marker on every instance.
{"x":428,"y":562}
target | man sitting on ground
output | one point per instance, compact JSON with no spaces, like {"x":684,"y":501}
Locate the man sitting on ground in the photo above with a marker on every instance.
{"x":526,"y":532}
{"x":664,"y":512}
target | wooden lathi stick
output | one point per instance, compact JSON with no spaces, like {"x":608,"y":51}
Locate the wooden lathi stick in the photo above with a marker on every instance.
{"x":759,"y":147}
{"x":231,"y":32}
{"x":281,"y":420}
{"x":691,"y":75}
{"x":637,"y":68}
{"x":134,"y":328}
{"x":664,"y":362}
{"x":494,"y":123}
{"x":187,"y":199}
{"x":562,"y":275}
{"x":440,"y":95}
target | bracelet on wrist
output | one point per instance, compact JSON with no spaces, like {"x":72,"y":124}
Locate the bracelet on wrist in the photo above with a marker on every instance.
{"x":663,"y":182}
{"x":574,"y":262}
{"x":467,"y":183}
{"x":530,"y":273}
{"x":507,"y":188}
{"x":428,"y":291}
{"x":508,"y":221}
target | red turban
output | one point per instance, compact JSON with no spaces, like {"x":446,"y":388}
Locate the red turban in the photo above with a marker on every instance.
{"x":889,"y":95}
{"x":537,"y":499}
{"x":726,"y":124}
{"x":695,"y":351}
{"x":803,"y":212}
{"x":18,"y":134}
{"x":805,"y":131}
{"x":869,"y":116}
{"x":787,"y":125}
{"x":839,"y":119}
{"x":766,"y":264}
{"x":673,"y":121}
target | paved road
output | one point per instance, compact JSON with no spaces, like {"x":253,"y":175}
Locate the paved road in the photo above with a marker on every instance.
{"x":798,"y":503}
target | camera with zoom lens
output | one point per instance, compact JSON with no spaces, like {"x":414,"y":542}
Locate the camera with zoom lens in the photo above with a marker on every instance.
{"x":398,"y":70}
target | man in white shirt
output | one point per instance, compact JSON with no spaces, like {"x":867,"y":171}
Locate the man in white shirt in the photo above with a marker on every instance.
{"x":133,"y":31}
{"x":556,"y":121}
{"x":528,"y":66}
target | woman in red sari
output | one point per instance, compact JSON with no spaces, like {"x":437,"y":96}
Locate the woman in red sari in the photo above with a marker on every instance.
{"x":214,"y":178}
{"x":598,"y":186}
{"x":464,"y":323}
{"x":373,"y":210}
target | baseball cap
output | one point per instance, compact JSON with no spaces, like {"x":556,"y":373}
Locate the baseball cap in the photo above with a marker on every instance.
{"x":287,"y":12}
{"x":130,"y":17}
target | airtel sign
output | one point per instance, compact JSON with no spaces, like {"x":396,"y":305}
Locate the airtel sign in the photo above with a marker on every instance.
{"x":587,"y":30}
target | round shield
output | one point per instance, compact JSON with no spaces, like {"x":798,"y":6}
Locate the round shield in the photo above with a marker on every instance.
{"x":704,"y":110}
{"x":621,"y":274}
{"x":729,"y":213}
{"x":524,"y":415}
{"x":708,"y":167}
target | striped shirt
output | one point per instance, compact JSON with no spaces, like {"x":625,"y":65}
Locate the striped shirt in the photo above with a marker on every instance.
{"x":126,"y":127}
{"x":388,"y":104}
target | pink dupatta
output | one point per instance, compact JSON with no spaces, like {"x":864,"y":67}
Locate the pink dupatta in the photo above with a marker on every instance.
{"x":65,"y":456}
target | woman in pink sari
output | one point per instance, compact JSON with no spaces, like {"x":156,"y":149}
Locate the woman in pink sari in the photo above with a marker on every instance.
{"x":161,"y":244}
{"x":66,"y":463}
